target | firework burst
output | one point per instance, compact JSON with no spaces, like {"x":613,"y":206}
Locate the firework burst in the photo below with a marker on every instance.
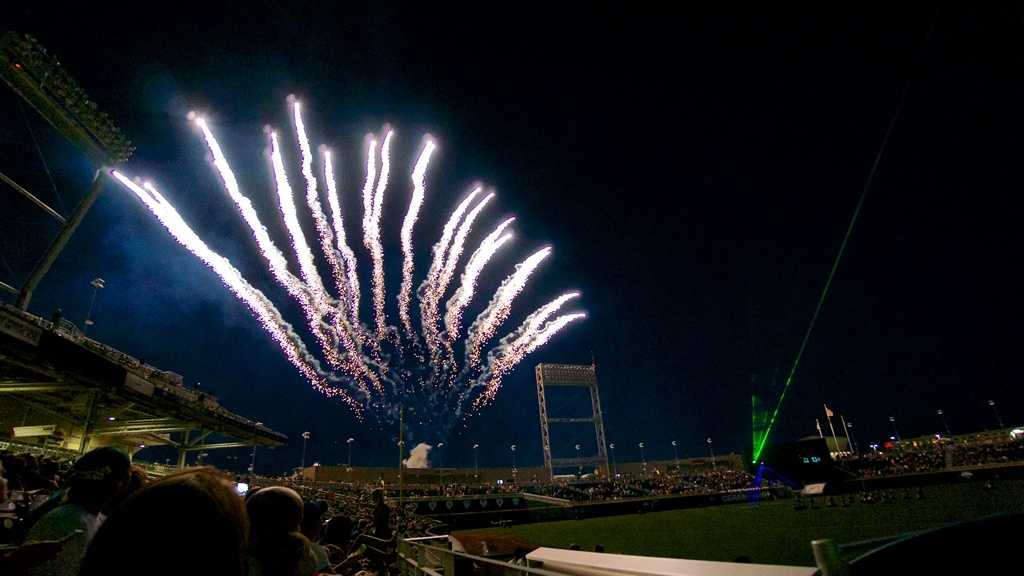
{"x":367,"y":367}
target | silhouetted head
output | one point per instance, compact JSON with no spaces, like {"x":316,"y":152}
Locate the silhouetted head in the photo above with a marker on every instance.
{"x":190,"y":522}
{"x":97,"y":477}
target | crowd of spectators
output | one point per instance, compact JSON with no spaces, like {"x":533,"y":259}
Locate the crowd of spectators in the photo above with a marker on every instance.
{"x":705,"y":481}
{"x":100,"y":515}
{"x":937,"y":454}
{"x":987,"y":452}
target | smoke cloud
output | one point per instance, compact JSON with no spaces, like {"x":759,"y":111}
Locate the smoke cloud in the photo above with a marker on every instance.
{"x":419,"y":457}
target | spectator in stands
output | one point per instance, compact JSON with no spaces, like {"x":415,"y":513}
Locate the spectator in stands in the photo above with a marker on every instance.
{"x":381,"y":516}
{"x":337,"y":536}
{"x":519,"y":556}
{"x":94,"y":480}
{"x":136,"y":481}
{"x":3,"y":483}
{"x":186,"y":523}
{"x":312,"y":524}
{"x":14,"y":465}
{"x":277,"y":547}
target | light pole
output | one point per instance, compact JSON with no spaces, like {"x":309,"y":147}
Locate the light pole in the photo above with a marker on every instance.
{"x":999,"y":419}
{"x":440,"y":457}
{"x":514,"y":470}
{"x":643,"y":460}
{"x":579,"y":465}
{"x":349,"y":442}
{"x":942,"y":417}
{"x":615,"y":471}
{"x":305,"y":437}
{"x":711,"y":451}
{"x":97,"y":283}
{"x":853,"y":438}
{"x":476,"y":462}
{"x":895,"y":430}
{"x":675,"y":451}
{"x":252,"y":461}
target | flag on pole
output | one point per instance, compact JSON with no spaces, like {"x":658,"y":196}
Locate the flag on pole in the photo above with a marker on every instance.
{"x":817,"y":424}
{"x":835,"y":439}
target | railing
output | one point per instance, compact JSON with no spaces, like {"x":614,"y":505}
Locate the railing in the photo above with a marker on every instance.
{"x":433,"y":556}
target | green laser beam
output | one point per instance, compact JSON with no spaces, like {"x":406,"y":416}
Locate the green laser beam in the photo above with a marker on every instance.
{"x":842,"y":247}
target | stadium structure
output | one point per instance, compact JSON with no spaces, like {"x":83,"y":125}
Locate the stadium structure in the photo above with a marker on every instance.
{"x":565,"y":375}
{"x":60,"y":391}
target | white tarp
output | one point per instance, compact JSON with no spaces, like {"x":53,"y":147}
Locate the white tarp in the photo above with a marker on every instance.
{"x":580,"y":563}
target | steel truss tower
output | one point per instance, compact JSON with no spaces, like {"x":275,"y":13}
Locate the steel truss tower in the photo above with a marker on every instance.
{"x":584,"y":375}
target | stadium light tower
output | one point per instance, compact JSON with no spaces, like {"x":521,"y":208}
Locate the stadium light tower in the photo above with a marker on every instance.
{"x":476,"y":462}
{"x":514,"y":470}
{"x":895,"y":430}
{"x":945,"y":424}
{"x":615,"y":471}
{"x":643,"y":460}
{"x":579,"y":467}
{"x":97,"y":284}
{"x":440,"y":457}
{"x":711,"y":451}
{"x":349,"y":442}
{"x":999,"y":419}
{"x":675,"y":451}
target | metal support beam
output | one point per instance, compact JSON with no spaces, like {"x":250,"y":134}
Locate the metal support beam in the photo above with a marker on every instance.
{"x":182,"y":450}
{"x":598,"y":418}
{"x":129,"y":430}
{"x":542,"y":407}
{"x":57,"y":246}
{"x":44,"y":408}
{"x":199,"y":439}
{"x":18,"y":188}
{"x":30,"y":387}
{"x":217,"y":446}
{"x":8,"y":288}
{"x":87,"y":430}
{"x":570,"y":420}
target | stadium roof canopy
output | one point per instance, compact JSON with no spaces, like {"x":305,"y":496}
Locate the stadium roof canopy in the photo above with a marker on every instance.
{"x":62,"y":390}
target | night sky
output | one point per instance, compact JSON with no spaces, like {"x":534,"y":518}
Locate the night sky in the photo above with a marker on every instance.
{"x":694,"y":172}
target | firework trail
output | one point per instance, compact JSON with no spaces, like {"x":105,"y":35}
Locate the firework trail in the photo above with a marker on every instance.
{"x":318,"y":296}
{"x":418,"y":175}
{"x":458,"y":246}
{"x":343,"y":329}
{"x":339,"y":235}
{"x":371,"y":179}
{"x":452,"y":259}
{"x":277,"y":263}
{"x":313,"y":201}
{"x":464,"y":294}
{"x":515,"y":345}
{"x":264,"y":310}
{"x":504,"y":358}
{"x":372,"y":236}
{"x":428,"y":290}
{"x":379,"y":383}
{"x":275,"y":259}
{"x":487,"y":323}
